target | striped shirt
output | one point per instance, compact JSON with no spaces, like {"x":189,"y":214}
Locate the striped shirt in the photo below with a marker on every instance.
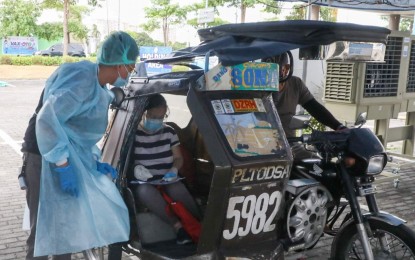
{"x":154,"y":151}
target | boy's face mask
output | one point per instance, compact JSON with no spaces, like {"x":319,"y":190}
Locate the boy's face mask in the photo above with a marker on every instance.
{"x":152,"y":125}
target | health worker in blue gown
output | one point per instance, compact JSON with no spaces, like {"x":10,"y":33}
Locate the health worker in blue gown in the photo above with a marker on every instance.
{"x":79,"y":205}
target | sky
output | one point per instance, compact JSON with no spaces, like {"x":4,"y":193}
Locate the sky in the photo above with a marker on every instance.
{"x":132,"y":12}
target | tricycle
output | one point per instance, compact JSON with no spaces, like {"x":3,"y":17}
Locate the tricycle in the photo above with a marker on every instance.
{"x":238,"y":161}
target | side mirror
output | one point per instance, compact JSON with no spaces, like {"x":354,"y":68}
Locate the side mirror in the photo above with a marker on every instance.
{"x":119,"y":96}
{"x":300,"y":122}
{"x":311,"y":53}
{"x":361,"y":119}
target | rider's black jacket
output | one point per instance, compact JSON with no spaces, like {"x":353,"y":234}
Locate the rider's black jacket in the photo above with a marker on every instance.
{"x":321,"y":114}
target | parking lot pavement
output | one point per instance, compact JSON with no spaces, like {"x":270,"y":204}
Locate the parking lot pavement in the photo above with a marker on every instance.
{"x":17,"y":105}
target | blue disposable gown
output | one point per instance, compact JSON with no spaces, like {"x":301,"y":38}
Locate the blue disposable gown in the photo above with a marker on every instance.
{"x":72,"y":120}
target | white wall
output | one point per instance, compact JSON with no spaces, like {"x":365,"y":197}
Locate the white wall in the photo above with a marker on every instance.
{"x":316,"y":70}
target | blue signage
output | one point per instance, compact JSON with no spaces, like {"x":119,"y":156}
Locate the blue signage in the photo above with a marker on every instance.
{"x":147,"y":53}
{"x":16,"y":45}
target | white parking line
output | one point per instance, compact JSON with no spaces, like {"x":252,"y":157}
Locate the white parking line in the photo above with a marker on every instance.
{"x":8,"y":140}
{"x":5,"y":84}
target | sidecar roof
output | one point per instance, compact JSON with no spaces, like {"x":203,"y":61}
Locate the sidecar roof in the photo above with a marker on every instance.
{"x":238,"y":43}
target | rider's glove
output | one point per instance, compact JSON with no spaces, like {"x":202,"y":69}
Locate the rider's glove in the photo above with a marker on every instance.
{"x":341,"y":127}
{"x":106,"y":168}
{"x":68,"y":180}
{"x":171,"y":175}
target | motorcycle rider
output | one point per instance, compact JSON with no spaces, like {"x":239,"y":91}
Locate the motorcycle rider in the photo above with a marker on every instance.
{"x":293,"y":92}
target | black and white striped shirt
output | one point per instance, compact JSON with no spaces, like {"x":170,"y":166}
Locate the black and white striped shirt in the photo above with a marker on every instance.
{"x":154,"y":151}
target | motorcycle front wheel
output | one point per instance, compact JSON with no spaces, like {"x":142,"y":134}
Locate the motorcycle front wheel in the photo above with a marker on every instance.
{"x":387,"y":242}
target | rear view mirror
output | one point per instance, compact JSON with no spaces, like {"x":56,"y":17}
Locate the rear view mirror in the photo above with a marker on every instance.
{"x":119,"y":97}
{"x":311,"y":53}
{"x":361,"y":119}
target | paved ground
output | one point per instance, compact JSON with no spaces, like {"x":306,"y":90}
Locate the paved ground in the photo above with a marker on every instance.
{"x":17,"y":105}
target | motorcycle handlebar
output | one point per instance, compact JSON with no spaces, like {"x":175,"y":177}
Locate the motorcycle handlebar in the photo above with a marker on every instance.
{"x":295,"y":139}
{"x":321,"y":137}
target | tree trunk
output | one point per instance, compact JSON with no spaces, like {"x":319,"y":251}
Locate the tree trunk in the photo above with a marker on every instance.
{"x":165,"y":32}
{"x":394,"y":20}
{"x":65,"y":27}
{"x":315,"y":12}
{"x":243,"y":12}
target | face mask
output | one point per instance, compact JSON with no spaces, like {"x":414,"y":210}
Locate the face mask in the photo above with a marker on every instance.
{"x":152,"y":125}
{"x":120,"y":82}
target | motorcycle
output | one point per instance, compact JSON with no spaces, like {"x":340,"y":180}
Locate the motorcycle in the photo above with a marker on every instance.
{"x":321,"y":188}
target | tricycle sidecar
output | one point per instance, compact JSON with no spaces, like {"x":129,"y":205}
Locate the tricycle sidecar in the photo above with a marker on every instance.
{"x":243,"y":157}
{"x":237,"y":158}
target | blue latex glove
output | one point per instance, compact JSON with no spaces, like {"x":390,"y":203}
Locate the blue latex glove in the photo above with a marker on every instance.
{"x":170,"y":176}
{"x":68,"y":180}
{"x":106,"y":168}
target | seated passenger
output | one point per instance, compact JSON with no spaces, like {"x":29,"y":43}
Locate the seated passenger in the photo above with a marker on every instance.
{"x":157,"y":151}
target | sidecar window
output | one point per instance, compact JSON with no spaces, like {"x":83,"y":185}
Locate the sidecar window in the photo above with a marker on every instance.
{"x":249,"y":128}
{"x":179,"y":112}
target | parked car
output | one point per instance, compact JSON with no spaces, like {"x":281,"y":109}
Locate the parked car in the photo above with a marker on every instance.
{"x":74,"y":49}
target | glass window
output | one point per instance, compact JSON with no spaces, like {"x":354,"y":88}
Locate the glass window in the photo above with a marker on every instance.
{"x":178,"y":111}
{"x":250,"y":128}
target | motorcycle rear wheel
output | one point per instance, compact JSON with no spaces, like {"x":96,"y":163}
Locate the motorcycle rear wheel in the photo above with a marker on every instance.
{"x":399,"y":240}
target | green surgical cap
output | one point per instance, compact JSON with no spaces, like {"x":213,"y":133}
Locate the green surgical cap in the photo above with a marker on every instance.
{"x":119,"y":48}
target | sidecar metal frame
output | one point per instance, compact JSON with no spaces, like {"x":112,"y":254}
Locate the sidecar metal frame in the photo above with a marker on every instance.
{"x":231,"y":191}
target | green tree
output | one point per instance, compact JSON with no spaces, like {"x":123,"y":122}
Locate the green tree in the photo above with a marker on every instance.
{"x":50,"y":31}
{"x":95,"y":33}
{"x":406,"y":24}
{"x":162,"y":14}
{"x":328,"y":14}
{"x":243,"y":5}
{"x":271,"y":6}
{"x":18,"y":17}
{"x":193,"y":22}
{"x":194,"y":8}
{"x":69,"y":26}
{"x":142,"y":39}
{"x":298,"y":12}
{"x":75,"y":26}
{"x":178,"y":45}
